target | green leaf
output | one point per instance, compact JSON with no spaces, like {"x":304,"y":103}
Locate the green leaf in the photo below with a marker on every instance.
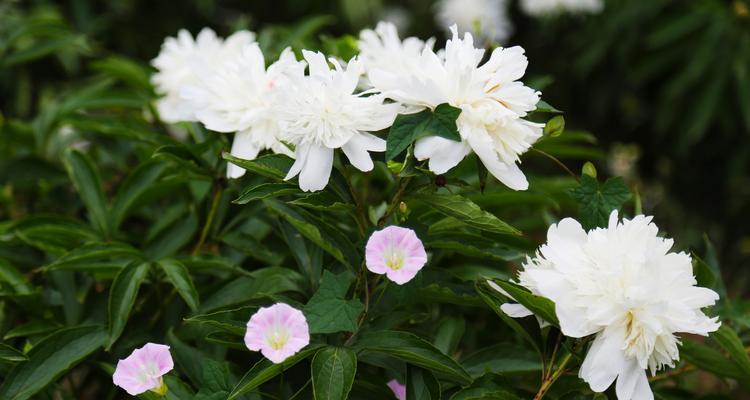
{"x":137,"y":183}
{"x":596,"y":202}
{"x":273,"y":166}
{"x":122,"y":297}
{"x":727,"y":338}
{"x":10,"y":354}
{"x":94,"y":256}
{"x":14,"y":278}
{"x":330,"y":240}
{"x":421,"y":384}
{"x":502,"y":359}
{"x":51,"y":358}
{"x":264,"y":370}
{"x":328,"y":311}
{"x":703,"y":272}
{"x":259,"y":283}
{"x":540,"y":306}
{"x":83,"y":173}
{"x":333,"y":370}
{"x":30,"y":329}
{"x":180,"y":278}
{"x":265,"y":191}
{"x":544,"y":107}
{"x":466,"y":211}
{"x":711,"y":360}
{"x":407,"y":128}
{"x":494,"y":299}
{"x":413,"y":350}
{"x":449,"y":334}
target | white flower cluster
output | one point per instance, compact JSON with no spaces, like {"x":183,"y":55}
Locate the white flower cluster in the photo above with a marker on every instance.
{"x":623,"y":285}
{"x":539,"y":8}
{"x":225,"y":85}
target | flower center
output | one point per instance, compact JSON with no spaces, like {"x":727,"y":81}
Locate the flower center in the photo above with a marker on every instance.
{"x":277,"y":338}
{"x":639,"y":342}
{"x":394,"y":258}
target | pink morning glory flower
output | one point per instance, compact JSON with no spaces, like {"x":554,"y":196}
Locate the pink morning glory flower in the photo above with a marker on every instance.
{"x":396,"y":252}
{"x":143,"y":369}
{"x":398,"y":389}
{"x":278,"y":332}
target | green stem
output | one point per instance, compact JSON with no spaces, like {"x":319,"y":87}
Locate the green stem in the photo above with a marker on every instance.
{"x":297,"y":393}
{"x":547,"y":383}
{"x":394,"y":201}
{"x":209,"y":219}
{"x":558,"y":162}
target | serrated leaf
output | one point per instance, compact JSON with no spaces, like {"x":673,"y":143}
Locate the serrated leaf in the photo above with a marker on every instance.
{"x":467,"y":212}
{"x":596,"y":202}
{"x":180,"y":278}
{"x":333,"y":370}
{"x":413,"y":350}
{"x":122,"y":297}
{"x":328,"y":310}
{"x":408,"y":128}
{"x":51,"y":358}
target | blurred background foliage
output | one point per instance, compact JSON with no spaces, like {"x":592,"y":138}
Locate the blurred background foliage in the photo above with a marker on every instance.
{"x":662,"y":85}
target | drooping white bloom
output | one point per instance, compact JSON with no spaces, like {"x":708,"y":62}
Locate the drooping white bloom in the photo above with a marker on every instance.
{"x":487,"y":19}
{"x":239,"y":95}
{"x":492,"y":102}
{"x":383,"y":49}
{"x":539,"y":8}
{"x":622,"y":284}
{"x":180,"y":62}
{"x":320,"y":112}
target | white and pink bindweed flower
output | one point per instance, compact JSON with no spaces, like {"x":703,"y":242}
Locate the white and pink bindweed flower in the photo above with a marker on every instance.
{"x":398,"y":389}
{"x":396,"y":252}
{"x":278,"y":332}
{"x":143,"y":369}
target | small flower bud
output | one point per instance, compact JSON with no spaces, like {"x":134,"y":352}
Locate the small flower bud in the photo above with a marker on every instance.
{"x":589,"y":169}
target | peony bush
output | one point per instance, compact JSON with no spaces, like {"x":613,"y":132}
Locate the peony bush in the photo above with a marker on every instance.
{"x":369,"y":217}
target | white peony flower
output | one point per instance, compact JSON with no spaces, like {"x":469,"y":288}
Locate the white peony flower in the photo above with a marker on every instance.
{"x":383,"y":49}
{"x":488,"y":19}
{"x":622,"y":284}
{"x":239,"y":95}
{"x":539,"y":8}
{"x":320,"y":112}
{"x":491,"y":99}
{"x":180,"y":63}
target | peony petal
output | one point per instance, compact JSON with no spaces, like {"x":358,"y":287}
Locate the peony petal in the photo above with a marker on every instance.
{"x":604,"y":360}
{"x":443,"y":153}
{"x":317,"y":169}
{"x":630,"y":378}
{"x":509,"y":174}
{"x":243,"y":147}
